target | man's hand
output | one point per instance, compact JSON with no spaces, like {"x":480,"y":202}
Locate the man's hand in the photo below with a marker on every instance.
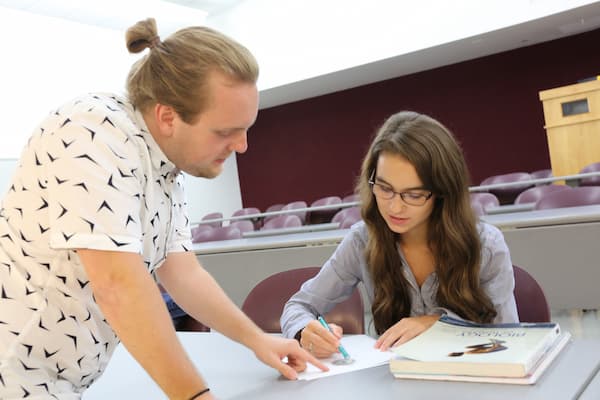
{"x":272,"y":349}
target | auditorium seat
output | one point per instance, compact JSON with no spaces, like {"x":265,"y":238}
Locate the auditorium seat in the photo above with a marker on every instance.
{"x":347,"y":217}
{"x":257,"y":221}
{"x":295,"y":205}
{"x":272,"y":208}
{"x":282,"y":221}
{"x":213,"y":215}
{"x":541,"y":174}
{"x":577,"y":196}
{"x":507,"y":195}
{"x":243,"y":225}
{"x":264,"y":304}
{"x":351,"y":198}
{"x":219,"y":233}
{"x":485,"y":200}
{"x":532,"y":305}
{"x":593,"y":180}
{"x":323,"y":216}
{"x":534,"y":194}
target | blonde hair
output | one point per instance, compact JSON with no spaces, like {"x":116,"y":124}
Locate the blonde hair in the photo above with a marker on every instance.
{"x":453,"y":238}
{"x":175,"y":71}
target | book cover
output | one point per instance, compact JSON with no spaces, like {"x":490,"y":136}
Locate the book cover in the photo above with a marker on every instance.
{"x":529,"y":379}
{"x":455,"y":347}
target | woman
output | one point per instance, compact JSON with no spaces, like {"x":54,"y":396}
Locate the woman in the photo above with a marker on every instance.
{"x":419,"y":251}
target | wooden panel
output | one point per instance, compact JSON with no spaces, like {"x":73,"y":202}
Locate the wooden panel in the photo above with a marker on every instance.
{"x":573,"y":147}
{"x":573,"y":140}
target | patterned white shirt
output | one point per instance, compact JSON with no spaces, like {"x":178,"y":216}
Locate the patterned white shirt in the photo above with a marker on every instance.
{"x":91,"y":176}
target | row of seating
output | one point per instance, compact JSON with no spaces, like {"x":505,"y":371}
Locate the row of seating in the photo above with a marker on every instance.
{"x":299,"y":208}
{"x":508,"y":195}
{"x":542,"y":197}
{"x":345,"y":218}
{"x":298,"y":213}
{"x":264,"y":304}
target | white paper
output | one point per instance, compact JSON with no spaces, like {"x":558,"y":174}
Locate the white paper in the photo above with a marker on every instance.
{"x":362,"y":351}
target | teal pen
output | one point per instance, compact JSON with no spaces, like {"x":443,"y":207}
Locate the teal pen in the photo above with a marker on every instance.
{"x":341,"y":348}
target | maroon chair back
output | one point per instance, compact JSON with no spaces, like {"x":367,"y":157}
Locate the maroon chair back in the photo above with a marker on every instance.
{"x":535,"y":194}
{"x":323,"y":216}
{"x":592,"y":181}
{"x":213,"y":215}
{"x":282,"y":221}
{"x":507,"y":195}
{"x":351,"y":198}
{"x":577,"y":196}
{"x":271,"y":208}
{"x":265,"y":302}
{"x":542,"y":174}
{"x":215,"y":234}
{"x":243,"y":225}
{"x":295,"y":205}
{"x":257,"y":221}
{"x":485,"y":200}
{"x":532,"y":305}
{"x":351,"y":217}
{"x":347,"y":217}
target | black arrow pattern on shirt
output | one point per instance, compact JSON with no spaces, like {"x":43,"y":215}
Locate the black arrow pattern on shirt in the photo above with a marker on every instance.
{"x":68,"y":147}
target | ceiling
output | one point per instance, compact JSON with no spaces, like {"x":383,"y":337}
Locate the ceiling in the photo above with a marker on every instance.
{"x":119,"y":14}
{"x":552,"y":27}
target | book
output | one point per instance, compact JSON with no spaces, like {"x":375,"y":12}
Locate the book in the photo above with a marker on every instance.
{"x":455,"y":347}
{"x":529,"y":379}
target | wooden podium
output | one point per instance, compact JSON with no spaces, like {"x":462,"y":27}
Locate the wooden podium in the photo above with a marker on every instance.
{"x":572,"y":117}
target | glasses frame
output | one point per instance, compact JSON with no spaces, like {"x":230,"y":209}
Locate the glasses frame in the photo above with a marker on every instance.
{"x":402,"y":195}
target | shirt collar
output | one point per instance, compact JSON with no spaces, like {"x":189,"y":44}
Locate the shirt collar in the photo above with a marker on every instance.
{"x":159,"y":160}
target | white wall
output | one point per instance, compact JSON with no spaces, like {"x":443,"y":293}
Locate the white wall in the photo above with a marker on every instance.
{"x":46,"y":61}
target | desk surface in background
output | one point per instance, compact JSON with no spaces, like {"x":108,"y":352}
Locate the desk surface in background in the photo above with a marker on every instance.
{"x":271,"y":242}
{"x":554,"y":216}
{"x":292,"y":229}
{"x":233,"y":372}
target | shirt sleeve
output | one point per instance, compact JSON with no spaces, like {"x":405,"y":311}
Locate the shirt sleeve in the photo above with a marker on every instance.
{"x":333,"y":284}
{"x":94,"y":195}
{"x":497,"y":276}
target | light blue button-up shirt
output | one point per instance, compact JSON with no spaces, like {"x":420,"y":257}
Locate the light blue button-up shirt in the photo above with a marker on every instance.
{"x":347,"y":267}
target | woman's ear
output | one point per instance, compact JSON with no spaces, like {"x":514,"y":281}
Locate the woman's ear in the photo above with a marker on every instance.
{"x":165,"y":117}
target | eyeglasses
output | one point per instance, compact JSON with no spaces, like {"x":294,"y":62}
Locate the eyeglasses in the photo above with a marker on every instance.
{"x":412,"y":198}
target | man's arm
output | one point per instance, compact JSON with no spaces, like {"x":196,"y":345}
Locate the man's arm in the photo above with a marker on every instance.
{"x":131,"y":302}
{"x":196,"y":291}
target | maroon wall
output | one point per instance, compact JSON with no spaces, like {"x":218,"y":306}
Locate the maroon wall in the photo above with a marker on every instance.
{"x":313,"y":148}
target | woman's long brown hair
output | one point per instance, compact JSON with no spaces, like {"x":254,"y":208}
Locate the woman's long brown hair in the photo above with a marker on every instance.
{"x":452,"y":231}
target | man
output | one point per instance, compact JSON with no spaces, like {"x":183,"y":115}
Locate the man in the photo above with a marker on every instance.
{"x":96,"y":207}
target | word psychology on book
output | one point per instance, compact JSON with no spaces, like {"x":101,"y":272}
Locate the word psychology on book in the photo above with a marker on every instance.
{"x":455,"y":348}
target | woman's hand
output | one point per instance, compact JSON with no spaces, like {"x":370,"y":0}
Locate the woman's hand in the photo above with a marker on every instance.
{"x":319,"y":341}
{"x":272,"y":349}
{"x":404,"y":330}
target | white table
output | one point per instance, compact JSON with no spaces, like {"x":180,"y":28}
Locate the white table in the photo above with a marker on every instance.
{"x":233,"y":372}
